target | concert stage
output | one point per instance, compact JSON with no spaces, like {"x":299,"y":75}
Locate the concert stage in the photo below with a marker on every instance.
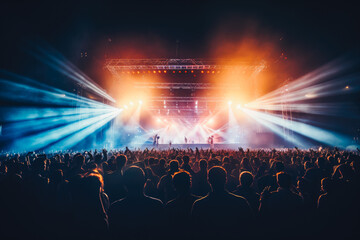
{"x":200,"y":146}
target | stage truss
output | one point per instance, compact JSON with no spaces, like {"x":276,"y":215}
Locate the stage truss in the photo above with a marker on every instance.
{"x":116,"y":66}
{"x":183,"y":106}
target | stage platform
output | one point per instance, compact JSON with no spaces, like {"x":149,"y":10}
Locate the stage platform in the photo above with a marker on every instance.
{"x":235,"y":146}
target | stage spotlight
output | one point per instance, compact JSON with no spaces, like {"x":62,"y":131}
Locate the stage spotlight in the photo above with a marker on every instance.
{"x":310,"y":95}
{"x":164,"y":71}
{"x":140,"y":102}
{"x":229,"y":102}
{"x":125,"y":106}
{"x":347,"y":87}
{"x":196,"y":102}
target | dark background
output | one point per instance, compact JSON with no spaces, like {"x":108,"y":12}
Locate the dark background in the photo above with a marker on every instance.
{"x":308,"y":33}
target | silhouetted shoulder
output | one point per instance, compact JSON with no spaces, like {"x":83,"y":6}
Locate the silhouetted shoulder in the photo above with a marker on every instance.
{"x":118,"y":203}
{"x":154,"y":201}
{"x":146,"y":200}
{"x":238,"y":198}
{"x":201,"y":200}
{"x":177,"y":201}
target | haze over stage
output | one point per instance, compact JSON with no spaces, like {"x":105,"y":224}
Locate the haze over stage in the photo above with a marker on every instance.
{"x":254,"y":74}
{"x":180,"y":101}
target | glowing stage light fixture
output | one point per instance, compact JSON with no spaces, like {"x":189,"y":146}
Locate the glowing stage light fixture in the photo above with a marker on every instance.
{"x":310,"y":95}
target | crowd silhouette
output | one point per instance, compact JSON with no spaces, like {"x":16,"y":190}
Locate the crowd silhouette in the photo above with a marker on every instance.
{"x":181,"y":194}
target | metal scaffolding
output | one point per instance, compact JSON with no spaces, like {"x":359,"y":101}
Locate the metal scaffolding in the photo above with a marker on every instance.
{"x":183,"y":106}
{"x":117,"y":66}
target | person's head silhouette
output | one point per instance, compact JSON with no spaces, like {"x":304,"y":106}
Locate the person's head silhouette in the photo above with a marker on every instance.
{"x":79,"y":160}
{"x":162,"y":162}
{"x":217,"y":178}
{"x":186,"y":159}
{"x":355,"y":164}
{"x":203,"y":165}
{"x":39,"y":164}
{"x":346,"y":171}
{"x":134,"y":179}
{"x":321,"y":162}
{"x":174,"y":166}
{"x":182,"y":182}
{"x":246,"y":179}
{"x":303,"y":185}
{"x":283,"y":180}
{"x":92,"y":183}
{"x":121,"y":161}
{"x":327,"y":185}
{"x":278,"y":166}
{"x":98,"y":158}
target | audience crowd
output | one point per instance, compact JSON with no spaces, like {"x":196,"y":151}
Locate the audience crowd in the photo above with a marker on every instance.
{"x":180,"y":194}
